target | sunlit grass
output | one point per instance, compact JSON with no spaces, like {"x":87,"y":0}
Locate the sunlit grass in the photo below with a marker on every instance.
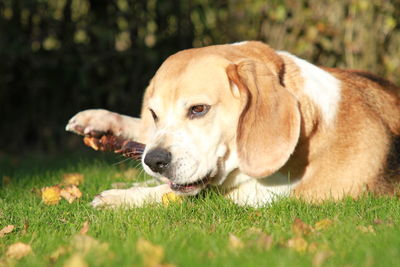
{"x":195,"y":233}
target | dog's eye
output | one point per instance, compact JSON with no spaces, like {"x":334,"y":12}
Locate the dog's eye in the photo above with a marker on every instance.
{"x":155,"y":118}
{"x":198,"y":111}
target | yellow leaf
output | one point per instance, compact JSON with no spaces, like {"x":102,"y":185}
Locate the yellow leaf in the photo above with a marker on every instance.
{"x":6,"y":230}
{"x":323,"y":224}
{"x":73,"y":178}
{"x":85,"y":228}
{"x":298,"y":244}
{"x":171,"y":197}
{"x":235,"y":242}
{"x":152,"y":254}
{"x":18,"y":250}
{"x":300,"y":228}
{"x":51,"y":195}
{"x":76,"y":260}
{"x":71,"y":193}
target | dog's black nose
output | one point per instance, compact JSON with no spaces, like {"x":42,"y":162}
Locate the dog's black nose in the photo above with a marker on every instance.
{"x":158,"y":160}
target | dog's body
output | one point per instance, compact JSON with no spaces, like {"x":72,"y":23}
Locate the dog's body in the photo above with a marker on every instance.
{"x":258,"y":124}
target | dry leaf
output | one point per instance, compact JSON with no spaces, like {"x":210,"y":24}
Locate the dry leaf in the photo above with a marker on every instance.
{"x":320,"y":257}
{"x":71,"y":193}
{"x":366,"y":229}
{"x":73,"y":178}
{"x":76,"y":260}
{"x":235,"y":242}
{"x":300,"y":228}
{"x":152,"y":254}
{"x":6,"y":230}
{"x":323,"y":224}
{"x":51,"y":195}
{"x":6,"y":180}
{"x":298,"y":244}
{"x":171,"y":197}
{"x":85,"y":228}
{"x":18,"y":250}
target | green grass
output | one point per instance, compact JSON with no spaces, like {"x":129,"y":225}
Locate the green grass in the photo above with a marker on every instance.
{"x":194,"y":233}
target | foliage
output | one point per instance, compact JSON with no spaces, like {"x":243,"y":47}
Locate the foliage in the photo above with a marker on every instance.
{"x":61,"y":56}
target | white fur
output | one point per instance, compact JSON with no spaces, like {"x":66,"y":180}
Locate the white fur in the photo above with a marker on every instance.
{"x":247,"y":191}
{"x":322,"y":87}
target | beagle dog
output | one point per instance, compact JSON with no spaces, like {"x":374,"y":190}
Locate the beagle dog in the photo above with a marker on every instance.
{"x":258,"y":124}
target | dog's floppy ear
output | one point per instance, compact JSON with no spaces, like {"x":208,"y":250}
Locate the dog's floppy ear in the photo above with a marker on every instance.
{"x":269,"y":125}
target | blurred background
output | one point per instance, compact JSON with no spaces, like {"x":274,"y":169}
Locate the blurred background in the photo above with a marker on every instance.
{"x":58,"y":57}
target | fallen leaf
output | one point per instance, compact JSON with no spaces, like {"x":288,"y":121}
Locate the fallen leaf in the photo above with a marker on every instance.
{"x":235,"y":242}
{"x":74,"y":178}
{"x":298,"y":244}
{"x":171,"y":197}
{"x":51,"y":195}
{"x":76,"y":260}
{"x":85,"y":228}
{"x":18,"y":250}
{"x":152,"y":254}
{"x":300,"y":228}
{"x":71,"y":193}
{"x":366,"y":229}
{"x":6,"y":180}
{"x":320,"y":257}
{"x":323,"y":224}
{"x":6,"y":230}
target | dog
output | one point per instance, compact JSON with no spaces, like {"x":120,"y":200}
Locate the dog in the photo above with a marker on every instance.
{"x":258,"y":124}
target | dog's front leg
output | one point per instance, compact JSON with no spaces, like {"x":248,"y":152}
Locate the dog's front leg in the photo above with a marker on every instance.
{"x":96,"y":122}
{"x":132,"y":197}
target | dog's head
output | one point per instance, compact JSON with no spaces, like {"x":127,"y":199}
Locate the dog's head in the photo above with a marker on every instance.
{"x":212,"y":110}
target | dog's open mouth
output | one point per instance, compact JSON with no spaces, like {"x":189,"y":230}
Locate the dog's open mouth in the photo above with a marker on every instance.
{"x":190,"y":187}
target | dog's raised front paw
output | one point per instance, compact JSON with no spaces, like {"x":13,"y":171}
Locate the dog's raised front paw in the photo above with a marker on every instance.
{"x":95,"y":122}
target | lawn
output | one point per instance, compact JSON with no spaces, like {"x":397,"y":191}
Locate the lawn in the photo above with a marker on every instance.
{"x":203,"y":231}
